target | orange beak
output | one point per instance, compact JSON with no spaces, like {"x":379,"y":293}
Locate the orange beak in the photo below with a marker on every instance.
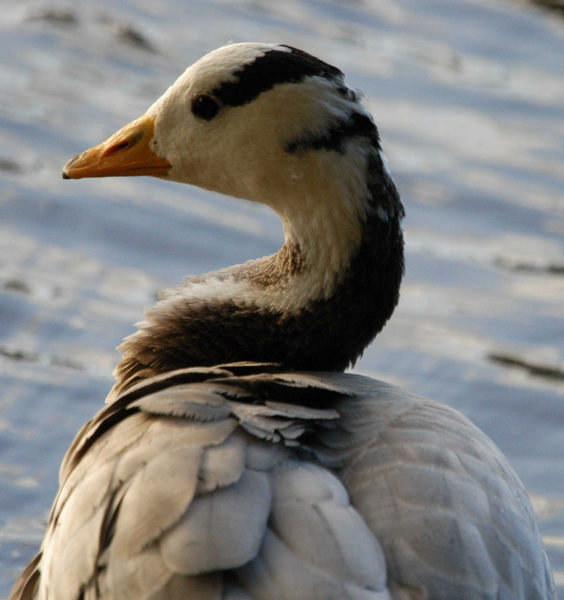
{"x":127,"y":152}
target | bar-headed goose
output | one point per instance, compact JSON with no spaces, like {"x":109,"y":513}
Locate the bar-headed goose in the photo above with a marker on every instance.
{"x":234,"y":459}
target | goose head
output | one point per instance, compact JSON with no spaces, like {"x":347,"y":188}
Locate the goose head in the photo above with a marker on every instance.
{"x":271,"y":124}
{"x":243,"y":121}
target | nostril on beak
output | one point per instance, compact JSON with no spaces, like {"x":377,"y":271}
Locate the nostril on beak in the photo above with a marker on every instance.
{"x":125,"y":143}
{"x":116,"y":148}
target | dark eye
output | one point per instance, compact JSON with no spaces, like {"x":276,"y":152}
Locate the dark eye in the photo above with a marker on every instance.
{"x":205,"y":107}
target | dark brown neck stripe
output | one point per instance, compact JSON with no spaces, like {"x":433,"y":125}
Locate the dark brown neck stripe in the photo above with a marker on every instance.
{"x":326,"y":335}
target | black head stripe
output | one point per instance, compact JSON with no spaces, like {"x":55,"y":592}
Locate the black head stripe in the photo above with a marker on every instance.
{"x":275,"y":66}
{"x":334,"y":137}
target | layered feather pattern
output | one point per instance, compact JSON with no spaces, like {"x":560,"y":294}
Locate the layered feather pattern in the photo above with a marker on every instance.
{"x":244,"y":482}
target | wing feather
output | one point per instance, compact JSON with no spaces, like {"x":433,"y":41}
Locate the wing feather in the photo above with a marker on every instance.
{"x":210,"y":537}
{"x":311,"y":510}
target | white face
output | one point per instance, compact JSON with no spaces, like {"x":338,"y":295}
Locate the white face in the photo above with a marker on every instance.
{"x":240,"y":151}
{"x":251,"y":121}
